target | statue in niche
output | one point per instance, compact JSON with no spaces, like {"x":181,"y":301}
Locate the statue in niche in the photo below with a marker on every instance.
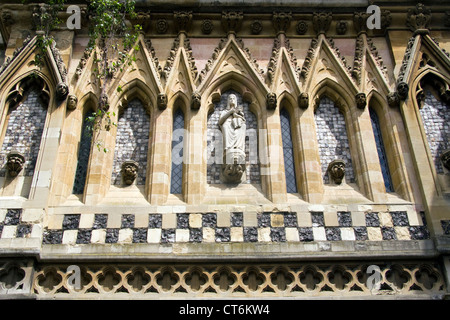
{"x":232,"y":123}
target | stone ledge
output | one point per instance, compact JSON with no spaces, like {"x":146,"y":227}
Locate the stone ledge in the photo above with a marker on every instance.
{"x":240,"y":251}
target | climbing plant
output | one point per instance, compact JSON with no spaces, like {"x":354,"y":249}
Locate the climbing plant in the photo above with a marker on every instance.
{"x":111,"y":38}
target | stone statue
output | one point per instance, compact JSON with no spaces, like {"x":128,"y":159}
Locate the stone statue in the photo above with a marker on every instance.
{"x":232,"y":123}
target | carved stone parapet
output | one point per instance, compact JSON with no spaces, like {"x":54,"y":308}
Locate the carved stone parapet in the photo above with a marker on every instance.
{"x":445,"y":158}
{"x":336,"y":170}
{"x":129,"y":171}
{"x":15,"y":162}
{"x":322,"y":21}
{"x":162,"y":101}
{"x":418,"y":19}
{"x":361,"y":100}
{"x":281,"y":21}
{"x":232,"y":21}
{"x":271,"y":101}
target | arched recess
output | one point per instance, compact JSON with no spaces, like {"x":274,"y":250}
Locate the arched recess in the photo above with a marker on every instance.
{"x":24,"y":117}
{"x":432,"y":98}
{"x":393,"y":137}
{"x":338,"y":102}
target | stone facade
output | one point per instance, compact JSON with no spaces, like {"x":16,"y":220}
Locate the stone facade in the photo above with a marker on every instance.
{"x":309,"y":79}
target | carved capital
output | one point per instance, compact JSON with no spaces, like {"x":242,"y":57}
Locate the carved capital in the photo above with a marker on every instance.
{"x":418,"y":18}
{"x":271,"y":101}
{"x":361,"y":100}
{"x":15,"y":162}
{"x":182,"y":20}
{"x":445,"y":158}
{"x":232,"y":21}
{"x":162,"y":101}
{"x":322,"y":21}
{"x":303,"y":100}
{"x":281,"y":21}
{"x":336,"y":170}
{"x":129,"y":171}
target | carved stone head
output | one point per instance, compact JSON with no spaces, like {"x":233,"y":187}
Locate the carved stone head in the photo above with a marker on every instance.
{"x":129,"y":171}
{"x":162,"y":101}
{"x":402,"y":90}
{"x":336,"y":170}
{"x":61,"y":90}
{"x":196,"y":101}
{"x":271,"y":101}
{"x":361,"y":100}
{"x":393,"y":99}
{"x":72,"y":102}
{"x":104,"y":102}
{"x":303,"y":100}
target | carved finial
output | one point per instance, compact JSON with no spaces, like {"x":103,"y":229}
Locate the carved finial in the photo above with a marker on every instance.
{"x":232,"y":21}
{"x":418,"y":19}
{"x":182,"y":20}
{"x":322,"y":21}
{"x":281,"y":21}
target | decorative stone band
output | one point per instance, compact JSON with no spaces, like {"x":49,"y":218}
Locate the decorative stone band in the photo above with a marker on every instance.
{"x":236,"y":227}
{"x":413,"y":278}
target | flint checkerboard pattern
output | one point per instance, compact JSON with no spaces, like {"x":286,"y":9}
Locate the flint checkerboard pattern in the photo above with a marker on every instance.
{"x":247,"y":227}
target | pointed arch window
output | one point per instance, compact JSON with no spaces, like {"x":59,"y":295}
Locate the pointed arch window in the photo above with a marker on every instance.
{"x":332,"y":138}
{"x":288,"y":152}
{"x":176,"y":176}
{"x":381,"y":150}
{"x":133,"y":129}
{"x":84,"y":152}
{"x":24,"y":129}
